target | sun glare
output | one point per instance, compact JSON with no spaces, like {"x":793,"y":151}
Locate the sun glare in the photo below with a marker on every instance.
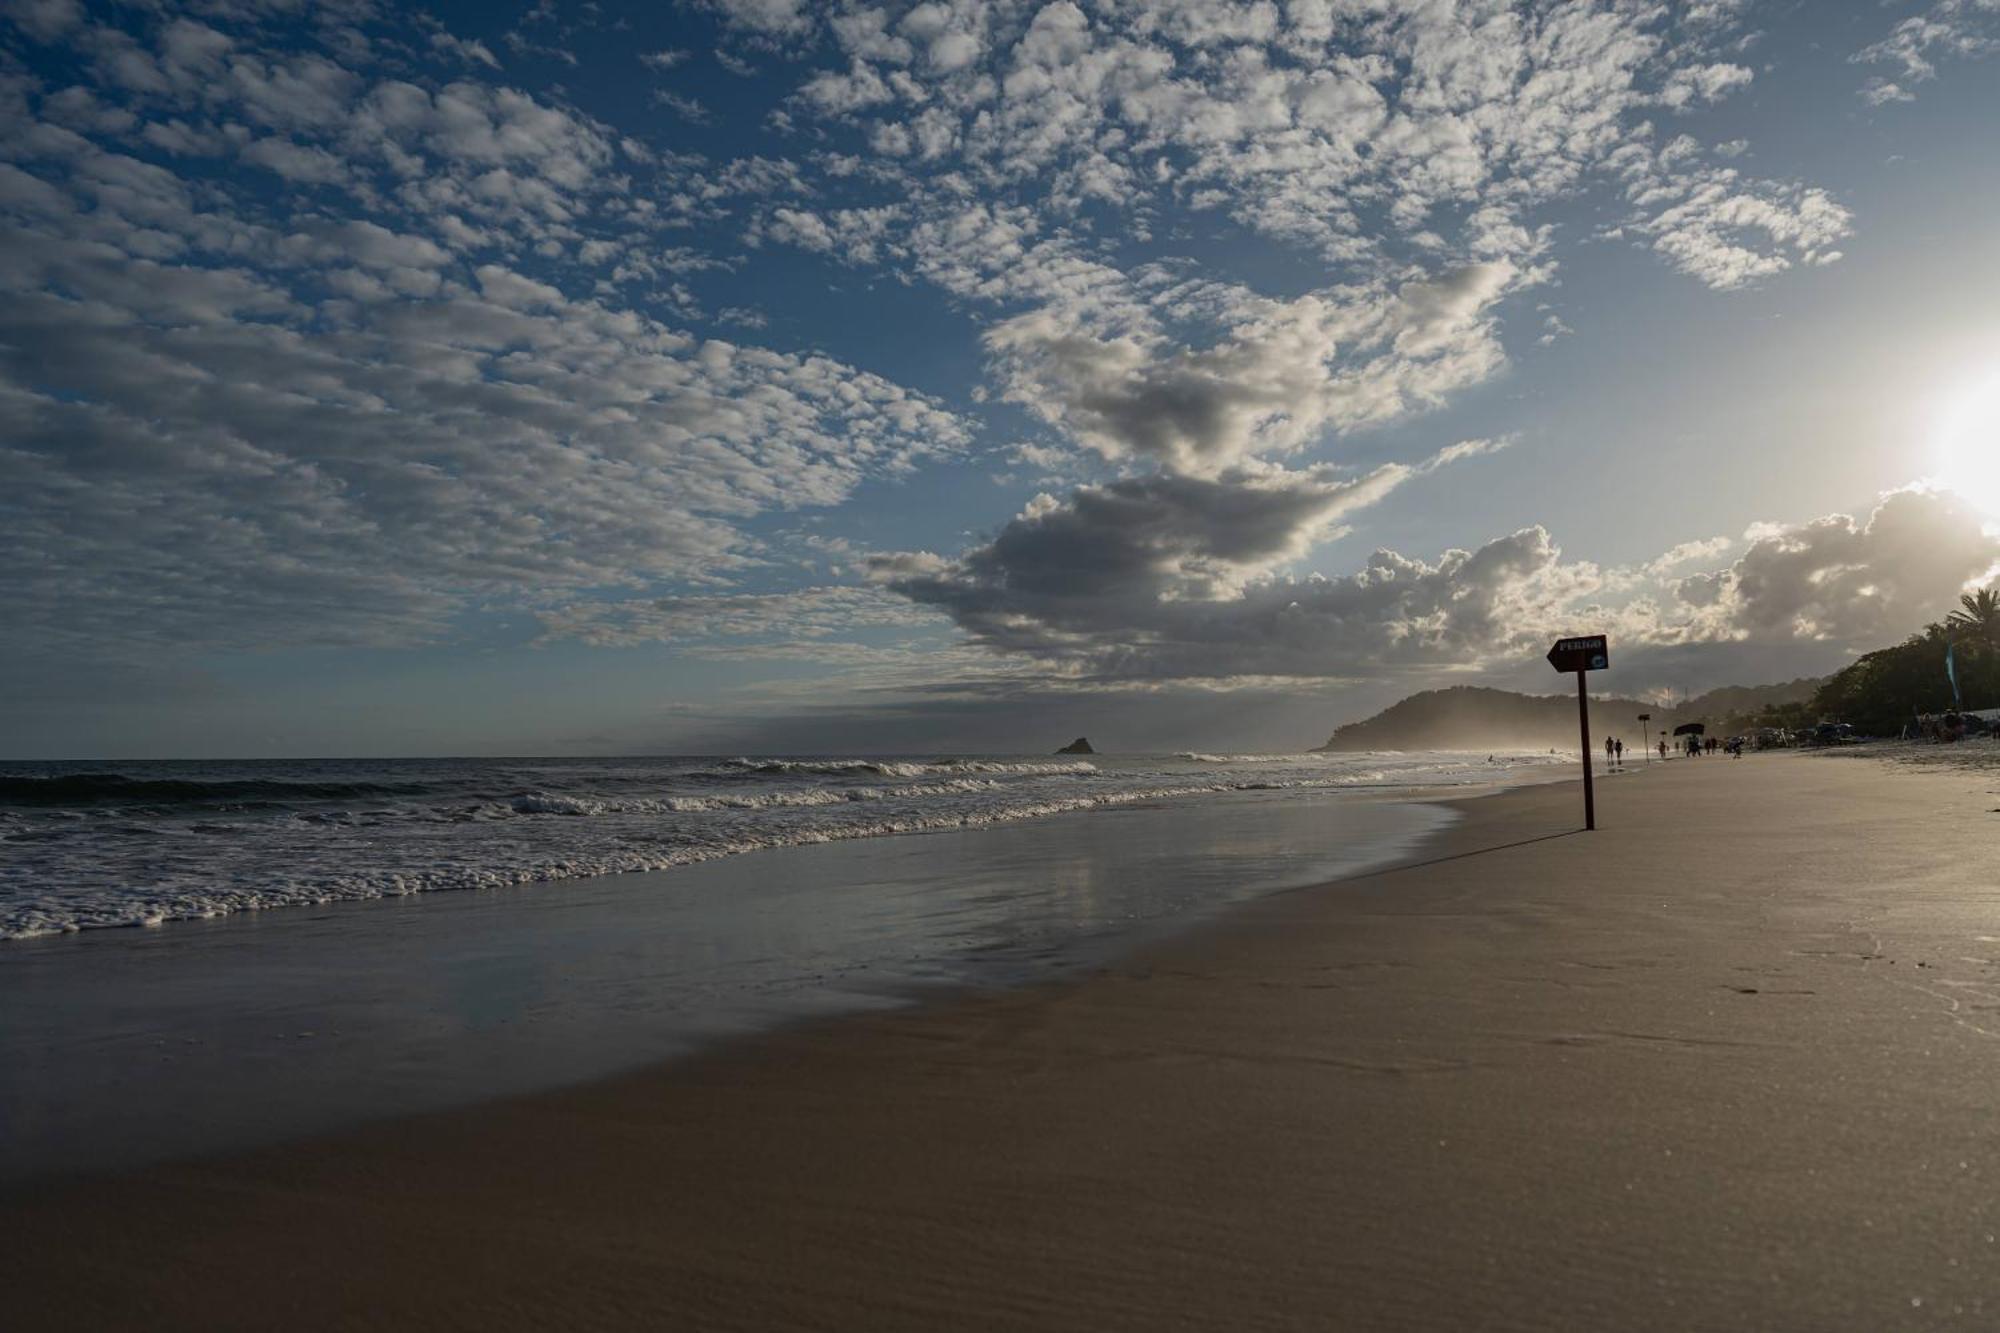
{"x":1968,"y":445}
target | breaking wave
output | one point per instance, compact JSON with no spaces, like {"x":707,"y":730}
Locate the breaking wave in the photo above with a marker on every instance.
{"x":158,"y":842}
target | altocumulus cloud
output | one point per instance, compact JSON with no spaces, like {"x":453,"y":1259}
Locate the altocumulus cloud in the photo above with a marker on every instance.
{"x":1945,"y":30}
{"x":1364,"y":132}
{"x":272,"y":371}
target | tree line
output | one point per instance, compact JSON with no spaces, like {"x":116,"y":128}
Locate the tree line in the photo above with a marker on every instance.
{"x":1880,"y":692}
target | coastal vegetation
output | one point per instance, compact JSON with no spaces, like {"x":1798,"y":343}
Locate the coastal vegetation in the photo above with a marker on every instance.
{"x":1880,"y":692}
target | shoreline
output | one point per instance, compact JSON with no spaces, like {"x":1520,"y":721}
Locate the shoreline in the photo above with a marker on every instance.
{"x":1721,"y":1063}
{"x":172,"y":907}
{"x":244,"y":1031}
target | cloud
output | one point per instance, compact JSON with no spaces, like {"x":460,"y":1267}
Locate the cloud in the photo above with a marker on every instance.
{"x":1284,"y":373}
{"x":1861,"y":584}
{"x":1881,"y":92}
{"x":1452,"y":453}
{"x":1171,"y":578}
{"x":1347,"y":129}
{"x":197,"y":456}
{"x":1704,"y":83}
{"x":1685,"y":552}
{"x":45,"y":20}
{"x":768,"y":18}
{"x":854,"y":235}
{"x":1949,"y":29}
{"x":1114,"y":607}
{"x":1192,"y":549}
{"x":429,"y":378}
{"x":1396,"y":614}
{"x":318,"y":331}
{"x":361,"y":502}
{"x":813,"y":614}
{"x":470,"y":52}
{"x":1175,"y":576}
{"x":1723,"y":228}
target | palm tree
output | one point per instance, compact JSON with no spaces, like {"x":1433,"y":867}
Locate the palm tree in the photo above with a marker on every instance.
{"x":1981,"y":614}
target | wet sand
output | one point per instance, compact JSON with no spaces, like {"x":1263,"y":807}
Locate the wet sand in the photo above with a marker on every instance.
{"x":1728,"y":1062}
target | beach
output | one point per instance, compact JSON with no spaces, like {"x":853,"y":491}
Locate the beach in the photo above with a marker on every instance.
{"x":1726,"y":1062}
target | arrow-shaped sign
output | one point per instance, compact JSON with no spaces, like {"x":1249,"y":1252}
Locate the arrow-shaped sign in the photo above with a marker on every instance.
{"x":1587,"y":653}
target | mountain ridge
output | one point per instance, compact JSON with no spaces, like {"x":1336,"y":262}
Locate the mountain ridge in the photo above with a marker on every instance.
{"x":1466,"y":717}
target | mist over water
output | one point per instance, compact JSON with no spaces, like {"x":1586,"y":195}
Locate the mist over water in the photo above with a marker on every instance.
{"x":148,"y":843}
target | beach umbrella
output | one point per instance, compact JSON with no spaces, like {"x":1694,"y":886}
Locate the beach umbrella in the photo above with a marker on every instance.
{"x":1690,"y":729}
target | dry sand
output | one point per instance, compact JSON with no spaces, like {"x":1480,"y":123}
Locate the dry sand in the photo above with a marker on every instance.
{"x":1728,"y":1062}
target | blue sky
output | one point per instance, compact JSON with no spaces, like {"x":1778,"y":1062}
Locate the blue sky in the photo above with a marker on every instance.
{"x":758,"y":375}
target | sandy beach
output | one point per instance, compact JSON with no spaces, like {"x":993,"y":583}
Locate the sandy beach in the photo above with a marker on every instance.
{"x":1727,"y":1062}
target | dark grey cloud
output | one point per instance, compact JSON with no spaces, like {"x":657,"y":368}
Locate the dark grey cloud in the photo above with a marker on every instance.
{"x":1173,"y":576}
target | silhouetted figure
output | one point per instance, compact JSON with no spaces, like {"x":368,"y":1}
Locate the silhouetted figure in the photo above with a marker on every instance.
{"x":1620,"y":749}
{"x":1663,"y":748}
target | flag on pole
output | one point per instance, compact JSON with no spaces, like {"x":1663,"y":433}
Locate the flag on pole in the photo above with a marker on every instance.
{"x":1951,"y":674}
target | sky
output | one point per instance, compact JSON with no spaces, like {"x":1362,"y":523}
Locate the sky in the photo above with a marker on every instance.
{"x":757,"y":376}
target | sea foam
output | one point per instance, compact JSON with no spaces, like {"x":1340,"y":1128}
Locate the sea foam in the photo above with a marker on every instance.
{"x":147,"y":844}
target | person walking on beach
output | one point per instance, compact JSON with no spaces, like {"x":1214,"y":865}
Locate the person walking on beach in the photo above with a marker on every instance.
{"x":1663,"y":749}
{"x":1607,"y":752}
{"x":1621,"y":754}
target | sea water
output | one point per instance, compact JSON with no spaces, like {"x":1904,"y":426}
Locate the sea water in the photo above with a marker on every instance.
{"x":628,"y":911}
{"x":145,"y":844}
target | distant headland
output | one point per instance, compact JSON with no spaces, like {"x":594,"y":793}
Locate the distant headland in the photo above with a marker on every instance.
{"x":1468,"y":717}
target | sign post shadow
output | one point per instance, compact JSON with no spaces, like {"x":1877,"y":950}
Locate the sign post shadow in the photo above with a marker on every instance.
{"x":1582,"y":655}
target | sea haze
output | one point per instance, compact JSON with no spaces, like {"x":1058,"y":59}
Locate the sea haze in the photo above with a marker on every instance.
{"x":124,"y":844}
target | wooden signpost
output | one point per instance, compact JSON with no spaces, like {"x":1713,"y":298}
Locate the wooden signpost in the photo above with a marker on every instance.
{"x":1582,"y":655}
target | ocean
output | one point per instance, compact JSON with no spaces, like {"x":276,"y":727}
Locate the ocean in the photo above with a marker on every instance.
{"x":292,"y":962}
{"x":85,"y":846}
